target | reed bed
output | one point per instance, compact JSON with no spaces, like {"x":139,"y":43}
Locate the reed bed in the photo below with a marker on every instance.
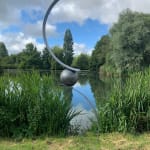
{"x":128,"y":107}
{"x":31,"y":105}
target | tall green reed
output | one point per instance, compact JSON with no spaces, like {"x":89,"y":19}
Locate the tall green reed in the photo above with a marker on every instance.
{"x":32,"y":105}
{"x":128,"y":107}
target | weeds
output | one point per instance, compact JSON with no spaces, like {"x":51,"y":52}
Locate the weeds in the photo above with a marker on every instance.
{"x":31,"y":105}
{"x":128,"y":107}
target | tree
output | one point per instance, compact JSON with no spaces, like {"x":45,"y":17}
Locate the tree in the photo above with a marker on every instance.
{"x":68,"y":47}
{"x":130,"y":37}
{"x":59,"y":54}
{"x":46,"y":60}
{"x":147,"y":54}
{"x":29,"y":49}
{"x":30,"y":57}
{"x":9,"y":62}
{"x":3,"y":55}
{"x":82,"y":61}
{"x":3,"y":50}
{"x":98,"y":57}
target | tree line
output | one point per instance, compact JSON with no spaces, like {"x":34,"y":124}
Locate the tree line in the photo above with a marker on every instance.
{"x":31,"y":58}
{"x":126,"y":48}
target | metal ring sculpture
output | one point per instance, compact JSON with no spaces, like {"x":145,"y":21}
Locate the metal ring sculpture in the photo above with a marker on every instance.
{"x":69,"y":76}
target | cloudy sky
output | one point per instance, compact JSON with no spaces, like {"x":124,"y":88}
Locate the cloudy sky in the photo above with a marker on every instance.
{"x":88,"y":20}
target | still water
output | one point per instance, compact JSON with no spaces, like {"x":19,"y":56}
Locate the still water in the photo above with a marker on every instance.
{"x":85,"y":102}
{"x":90,"y":90}
{"x":79,"y":100}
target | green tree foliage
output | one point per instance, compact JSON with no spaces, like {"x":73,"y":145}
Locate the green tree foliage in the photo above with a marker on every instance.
{"x":130,"y":38}
{"x":3,"y":55}
{"x":3,"y":50}
{"x":99,"y":54}
{"x":46,"y":59}
{"x":147,"y":54}
{"x":68,"y":47}
{"x":9,"y":62}
{"x":59,"y":54}
{"x":127,"y":48}
{"x":82,"y":61}
{"x":30,"y":58}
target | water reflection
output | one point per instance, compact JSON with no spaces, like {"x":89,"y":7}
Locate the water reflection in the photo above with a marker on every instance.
{"x":101,"y":87}
{"x":78,"y":99}
{"x":83,"y":99}
{"x":96,"y":88}
{"x":83,"y":121}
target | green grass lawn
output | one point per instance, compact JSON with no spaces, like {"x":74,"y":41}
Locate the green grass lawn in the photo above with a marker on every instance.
{"x":113,"y":141}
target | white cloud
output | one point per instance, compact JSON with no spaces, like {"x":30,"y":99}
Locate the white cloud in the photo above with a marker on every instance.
{"x":81,"y":48}
{"x":15,"y":42}
{"x":66,"y":11}
{"x":35,"y":30}
{"x":102,"y":10}
{"x":72,"y":10}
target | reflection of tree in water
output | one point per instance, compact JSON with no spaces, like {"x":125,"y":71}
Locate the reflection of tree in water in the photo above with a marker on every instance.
{"x":83,"y":78}
{"x":101,"y":89}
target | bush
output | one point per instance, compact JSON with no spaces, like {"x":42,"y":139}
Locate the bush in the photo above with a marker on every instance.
{"x":31,"y":105}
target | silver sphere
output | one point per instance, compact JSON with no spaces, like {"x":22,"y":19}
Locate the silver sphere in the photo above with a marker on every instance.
{"x":68,"y":77}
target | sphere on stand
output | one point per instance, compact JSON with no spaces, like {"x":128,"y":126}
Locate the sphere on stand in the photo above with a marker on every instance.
{"x":68,"y":77}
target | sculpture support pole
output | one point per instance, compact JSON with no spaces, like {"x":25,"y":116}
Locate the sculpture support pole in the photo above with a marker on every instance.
{"x":69,"y":76}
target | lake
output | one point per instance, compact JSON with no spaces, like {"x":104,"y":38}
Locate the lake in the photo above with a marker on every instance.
{"x":90,"y":90}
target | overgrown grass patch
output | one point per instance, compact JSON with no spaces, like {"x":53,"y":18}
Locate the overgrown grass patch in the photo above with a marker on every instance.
{"x":32,"y":105}
{"x":90,"y":141}
{"x":128,"y":107}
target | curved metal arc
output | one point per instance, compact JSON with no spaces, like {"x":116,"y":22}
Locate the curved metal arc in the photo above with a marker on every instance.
{"x":90,"y":104}
{"x":88,"y":101}
{"x":46,"y":42}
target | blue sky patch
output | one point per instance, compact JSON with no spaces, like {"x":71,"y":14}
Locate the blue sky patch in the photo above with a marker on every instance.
{"x":88,"y":33}
{"x":31,"y":16}
{"x":11,"y":29}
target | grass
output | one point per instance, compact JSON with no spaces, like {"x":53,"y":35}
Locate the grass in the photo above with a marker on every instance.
{"x":127,"y":109}
{"x":31,"y":105}
{"x":37,"y":109}
{"x":111,"y":141}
